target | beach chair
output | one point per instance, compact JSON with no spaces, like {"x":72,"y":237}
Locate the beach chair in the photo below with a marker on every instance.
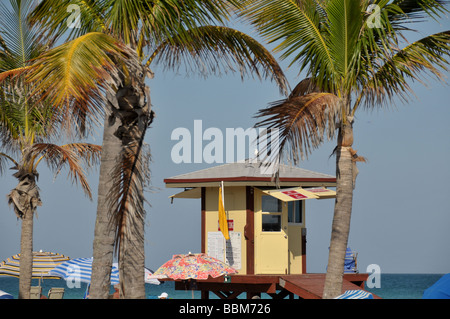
{"x":35,"y":292}
{"x":56,"y":293}
{"x":350,"y":262}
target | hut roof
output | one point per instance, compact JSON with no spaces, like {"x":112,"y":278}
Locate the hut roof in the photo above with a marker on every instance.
{"x":250,"y":173}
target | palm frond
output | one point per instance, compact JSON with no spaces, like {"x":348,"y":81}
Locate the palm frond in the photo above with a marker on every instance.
{"x":162,"y":20}
{"x":19,"y":37}
{"x":12,"y":122}
{"x":296,"y":27}
{"x":426,"y":56}
{"x":344,"y":21}
{"x":89,"y":154}
{"x":5,"y":158}
{"x":69,"y":156}
{"x":419,"y":10}
{"x":14,"y":72}
{"x":126,"y":196}
{"x":304,"y":87}
{"x":214,"y":49}
{"x":24,"y":119}
{"x":75,"y":75}
{"x":57,"y":18}
{"x":124,"y":18}
{"x":3,"y":46}
{"x":302,"y":122}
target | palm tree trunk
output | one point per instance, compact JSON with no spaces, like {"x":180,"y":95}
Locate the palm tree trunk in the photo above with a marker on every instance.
{"x":132,"y":263}
{"x":132,"y":256}
{"x":124,"y":134}
{"x":24,"y":198}
{"x":342,"y":213}
{"x":104,"y":234}
{"x":26,"y":255}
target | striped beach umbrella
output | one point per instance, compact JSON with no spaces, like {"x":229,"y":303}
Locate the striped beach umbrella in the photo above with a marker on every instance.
{"x":147,"y":276}
{"x":43,"y":262}
{"x":5,"y":295}
{"x":355,"y":294}
{"x":80,"y":269}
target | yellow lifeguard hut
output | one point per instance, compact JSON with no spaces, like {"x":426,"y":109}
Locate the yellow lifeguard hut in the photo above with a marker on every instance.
{"x":266,"y":221}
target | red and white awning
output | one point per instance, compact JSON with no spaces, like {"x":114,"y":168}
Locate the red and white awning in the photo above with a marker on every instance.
{"x":299,"y":193}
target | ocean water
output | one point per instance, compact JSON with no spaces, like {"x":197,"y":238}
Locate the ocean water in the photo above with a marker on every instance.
{"x":11,"y":286}
{"x":393,"y":286}
{"x":404,"y":286}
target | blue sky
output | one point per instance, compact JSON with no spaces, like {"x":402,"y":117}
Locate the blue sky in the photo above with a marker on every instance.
{"x":401,"y":211}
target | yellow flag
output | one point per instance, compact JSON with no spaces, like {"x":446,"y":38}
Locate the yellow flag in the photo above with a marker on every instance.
{"x":223,"y":223}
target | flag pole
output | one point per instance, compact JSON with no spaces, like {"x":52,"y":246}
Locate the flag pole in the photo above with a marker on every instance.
{"x":223,"y":223}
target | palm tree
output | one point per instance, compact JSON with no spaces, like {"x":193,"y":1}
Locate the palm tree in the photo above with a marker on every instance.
{"x":27,"y":125}
{"x":352,"y":57}
{"x":102,"y":72}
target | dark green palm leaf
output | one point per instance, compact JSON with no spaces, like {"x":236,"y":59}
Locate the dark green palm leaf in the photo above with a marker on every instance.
{"x":427,"y":55}
{"x":214,"y":49}
{"x":57,"y":18}
{"x":303,"y":123}
{"x":419,"y":10}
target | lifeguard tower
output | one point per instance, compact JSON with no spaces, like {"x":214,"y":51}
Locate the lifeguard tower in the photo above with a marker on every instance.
{"x":266,"y":223}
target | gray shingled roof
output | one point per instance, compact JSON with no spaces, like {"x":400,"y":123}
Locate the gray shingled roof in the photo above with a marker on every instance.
{"x":247,"y":170}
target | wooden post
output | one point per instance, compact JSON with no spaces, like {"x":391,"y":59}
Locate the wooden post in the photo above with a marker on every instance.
{"x":249,"y":230}
{"x":303,"y":250}
{"x":203,"y":220}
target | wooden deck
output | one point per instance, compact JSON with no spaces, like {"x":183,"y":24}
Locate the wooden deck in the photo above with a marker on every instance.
{"x":310,"y":286}
{"x":305,"y":286}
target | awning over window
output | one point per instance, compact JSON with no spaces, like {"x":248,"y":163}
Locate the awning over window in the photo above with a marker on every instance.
{"x":284,"y":194}
{"x":299,"y":193}
{"x":322,"y":192}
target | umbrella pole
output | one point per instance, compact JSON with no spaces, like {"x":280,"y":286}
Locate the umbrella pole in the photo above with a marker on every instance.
{"x":188,"y":285}
{"x":192,"y":284}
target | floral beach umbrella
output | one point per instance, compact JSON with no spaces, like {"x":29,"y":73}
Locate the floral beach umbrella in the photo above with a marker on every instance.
{"x":193,"y":266}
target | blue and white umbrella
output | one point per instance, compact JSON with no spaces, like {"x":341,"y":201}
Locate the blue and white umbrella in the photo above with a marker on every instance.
{"x":147,"y":275}
{"x":5,"y":295}
{"x":80,"y":269}
{"x":355,"y":294}
{"x":439,"y":290}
